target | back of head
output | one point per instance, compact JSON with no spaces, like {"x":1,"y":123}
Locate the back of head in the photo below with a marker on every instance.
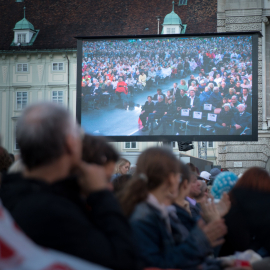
{"x":5,"y":160}
{"x":154,"y":166}
{"x":192,"y":167}
{"x":41,"y":133}
{"x":98,"y":151}
{"x":255,"y":178}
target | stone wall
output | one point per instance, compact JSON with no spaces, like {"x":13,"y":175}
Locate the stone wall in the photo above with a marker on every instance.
{"x":244,"y":16}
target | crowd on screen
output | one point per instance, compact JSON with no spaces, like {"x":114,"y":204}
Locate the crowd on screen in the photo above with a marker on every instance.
{"x":224,"y":80}
{"x":72,"y":193}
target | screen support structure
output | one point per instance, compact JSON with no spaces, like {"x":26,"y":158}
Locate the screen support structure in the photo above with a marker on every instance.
{"x":202,"y":150}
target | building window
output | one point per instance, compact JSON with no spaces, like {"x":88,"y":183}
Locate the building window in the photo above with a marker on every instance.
{"x":173,"y":30}
{"x":57,"y":97}
{"x":210,"y":144}
{"x":168,"y":30}
{"x":58,"y":66}
{"x":22,"y":67}
{"x":21,"y":100}
{"x":21,"y":38}
{"x":130,"y":145}
{"x":182,"y":2}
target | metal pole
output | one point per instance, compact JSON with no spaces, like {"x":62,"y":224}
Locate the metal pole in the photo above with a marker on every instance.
{"x":202,"y":150}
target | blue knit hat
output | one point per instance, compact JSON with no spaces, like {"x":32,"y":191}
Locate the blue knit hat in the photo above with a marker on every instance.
{"x":224,"y":182}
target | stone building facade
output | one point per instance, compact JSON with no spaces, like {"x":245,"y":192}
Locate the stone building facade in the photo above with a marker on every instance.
{"x":242,"y":16}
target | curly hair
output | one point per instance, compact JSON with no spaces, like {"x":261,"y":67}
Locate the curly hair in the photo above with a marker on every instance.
{"x":5,"y":160}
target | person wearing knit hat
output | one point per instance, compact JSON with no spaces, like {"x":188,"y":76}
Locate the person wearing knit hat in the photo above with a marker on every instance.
{"x":224,"y":182}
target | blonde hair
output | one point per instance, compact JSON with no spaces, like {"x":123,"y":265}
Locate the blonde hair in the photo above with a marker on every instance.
{"x":121,"y":163}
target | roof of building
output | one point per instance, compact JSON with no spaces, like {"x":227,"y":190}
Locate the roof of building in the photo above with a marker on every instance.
{"x":172,"y":18}
{"x":23,"y":24}
{"x":60,"y":21}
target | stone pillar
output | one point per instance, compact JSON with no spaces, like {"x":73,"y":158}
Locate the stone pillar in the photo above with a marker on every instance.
{"x":244,"y":16}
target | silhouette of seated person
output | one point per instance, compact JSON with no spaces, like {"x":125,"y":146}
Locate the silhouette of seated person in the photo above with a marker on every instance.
{"x":142,"y":79}
{"x":95,"y":94}
{"x":246,"y":99}
{"x":238,"y":88}
{"x":191,"y":80}
{"x":121,"y":88}
{"x":169,"y":116}
{"x":175,"y":89}
{"x":196,"y":90}
{"x":169,"y":96}
{"x":211,"y":80}
{"x":181,"y":99}
{"x":234,"y":102}
{"x":151,"y":77}
{"x":215,"y":98}
{"x":158,"y":94}
{"x":130,"y":83}
{"x":147,"y":108}
{"x":108,"y":91}
{"x":240,"y":120}
{"x":224,"y":120}
{"x":204,"y":96}
{"x":223,"y":89}
{"x":202,"y":86}
{"x":231,"y":93}
{"x":183,"y":85}
{"x":159,"y":109}
{"x":193,"y":102}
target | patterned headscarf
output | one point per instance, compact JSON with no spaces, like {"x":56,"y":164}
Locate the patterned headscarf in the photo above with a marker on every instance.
{"x":224,"y":182}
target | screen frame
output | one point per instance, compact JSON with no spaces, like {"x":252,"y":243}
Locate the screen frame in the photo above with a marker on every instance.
{"x":157,"y":138}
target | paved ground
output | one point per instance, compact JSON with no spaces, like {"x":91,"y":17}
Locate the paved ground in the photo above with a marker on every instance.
{"x":120,"y":118}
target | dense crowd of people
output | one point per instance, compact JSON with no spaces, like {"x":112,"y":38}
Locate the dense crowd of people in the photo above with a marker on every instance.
{"x":163,"y":215}
{"x":111,"y":69}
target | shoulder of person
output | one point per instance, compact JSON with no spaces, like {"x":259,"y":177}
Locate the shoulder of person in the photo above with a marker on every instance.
{"x":144,"y":212}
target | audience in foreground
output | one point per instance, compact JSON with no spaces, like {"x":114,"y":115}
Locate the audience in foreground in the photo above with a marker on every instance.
{"x":75,"y":215}
{"x":96,"y":150}
{"x":61,"y":198}
{"x":248,"y":220}
{"x":161,"y":238}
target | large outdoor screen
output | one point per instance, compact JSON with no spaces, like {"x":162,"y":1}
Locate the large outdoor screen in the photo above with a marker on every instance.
{"x":169,"y":87}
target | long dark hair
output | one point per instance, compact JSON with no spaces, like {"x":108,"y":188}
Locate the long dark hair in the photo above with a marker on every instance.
{"x":154,"y":166}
